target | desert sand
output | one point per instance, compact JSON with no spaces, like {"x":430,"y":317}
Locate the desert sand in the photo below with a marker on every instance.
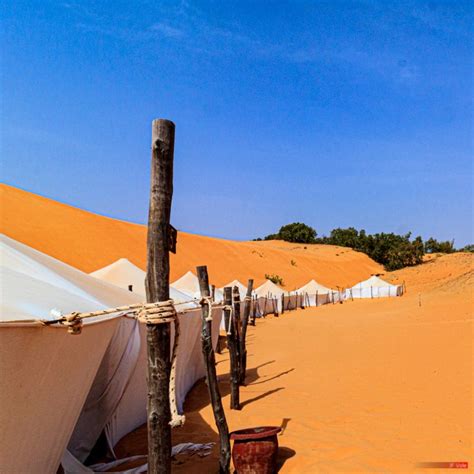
{"x":364,"y":386}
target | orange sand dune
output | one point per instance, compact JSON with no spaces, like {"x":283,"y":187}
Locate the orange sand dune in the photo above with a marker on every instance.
{"x":89,"y":241}
{"x":365,"y":386}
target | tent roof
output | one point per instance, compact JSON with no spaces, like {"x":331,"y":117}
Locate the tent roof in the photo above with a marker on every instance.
{"x":313,"y":286}
{"x":34,"y":283}
{"x":240,"y":286}
{"x":189,"y":284}
{"x":269,"y":288}
{"x":373,"y":281}
{"x":124,"y":273}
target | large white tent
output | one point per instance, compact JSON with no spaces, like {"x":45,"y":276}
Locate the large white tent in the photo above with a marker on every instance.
{"x":373,"y":287}
{"x":46,"y":372}
{"x":63,"y":390}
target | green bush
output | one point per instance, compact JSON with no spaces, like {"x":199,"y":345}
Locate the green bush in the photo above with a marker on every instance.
{"x":296,"y":232}
{"x":433,"y":246}
{"x":277,"y":279}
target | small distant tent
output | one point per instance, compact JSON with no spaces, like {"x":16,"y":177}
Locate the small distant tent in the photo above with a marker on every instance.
{"x":317,"y":294}
{"x":242,"y":288}
{"x":189,"y":284}
{"x":373,"y":287}
{"x":268,"y":298}
{"x":124,"y":274}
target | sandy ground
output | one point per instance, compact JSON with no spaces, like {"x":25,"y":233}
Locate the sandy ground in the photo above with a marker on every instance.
{"x":88,"y":241}
{"x":366,"y":386}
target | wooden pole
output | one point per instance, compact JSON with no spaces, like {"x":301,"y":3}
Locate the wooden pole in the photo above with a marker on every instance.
{"x":157,"y":289}
{"x":233,"y":354}
{"x":245,"y":321}
{"x":210,"y":362}
{"x":238,"y":330}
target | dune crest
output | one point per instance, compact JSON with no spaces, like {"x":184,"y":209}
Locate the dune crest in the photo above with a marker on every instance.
{"x":89,"y":242}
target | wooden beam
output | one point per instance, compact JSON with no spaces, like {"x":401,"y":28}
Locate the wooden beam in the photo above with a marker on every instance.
{"x":229,"y":319}
{"x":157,"y":289}
{"x":245,"y":321}
{"x":210,"y":362}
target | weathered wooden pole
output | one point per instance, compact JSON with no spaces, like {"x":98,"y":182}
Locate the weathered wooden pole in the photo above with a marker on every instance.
{"x":230,"y":324}
{"x":210,"y":361}
{"x":157,"y":289}
{"x":245,"y":321}
{"x":238,"y":329}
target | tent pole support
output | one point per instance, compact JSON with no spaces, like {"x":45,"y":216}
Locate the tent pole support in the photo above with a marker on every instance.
{"x":245,"y":321}
{"x":157,"y":289}
{"x":211,"y":375}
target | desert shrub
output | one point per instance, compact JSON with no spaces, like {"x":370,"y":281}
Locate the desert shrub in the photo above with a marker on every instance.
{"x":296,"y":232}
{"x":468,"y":248}
{"x":277,"y":279}
{"x":433,"y":246}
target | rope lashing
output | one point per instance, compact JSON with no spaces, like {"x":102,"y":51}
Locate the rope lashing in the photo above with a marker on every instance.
{"x":73,"y":322}
{"x":229,"y":308}
{"x":176,"y":418}
{"x":207,"y":300}
{"x":163,"y":312}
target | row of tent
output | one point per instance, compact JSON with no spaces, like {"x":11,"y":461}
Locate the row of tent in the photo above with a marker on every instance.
{"x":267,"y":298}
{"x":60,"y":393}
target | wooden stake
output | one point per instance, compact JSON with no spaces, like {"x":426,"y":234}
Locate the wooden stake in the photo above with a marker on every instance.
{"x":238,"y":330}
{"x":245,"y":321}
{"x":233,"y":353}
{"x":157,"y":289}
{"x":210,"y":361}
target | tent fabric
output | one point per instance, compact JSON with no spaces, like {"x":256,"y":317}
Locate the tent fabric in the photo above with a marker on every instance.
{"x":317,"y":294}
{"x":124,"y":273}
{"x":373,"y":287}
{"x":189,"y":284}
{"x":269,"y":297}
{"x":242,"y":288}
{"x":49,"y":371}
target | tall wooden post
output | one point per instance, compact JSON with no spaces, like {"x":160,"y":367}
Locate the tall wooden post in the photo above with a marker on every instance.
{"x":245,"y":321}
{"x":210,"y":362}
{"x":157,"y":289}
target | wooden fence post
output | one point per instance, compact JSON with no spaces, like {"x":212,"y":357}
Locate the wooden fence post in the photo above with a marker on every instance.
{"x":233,"y":353}
{"x":238,"y":329}
{"x":210,"y":362}
{"x":157,"y":289}
{"x":245,"y":320}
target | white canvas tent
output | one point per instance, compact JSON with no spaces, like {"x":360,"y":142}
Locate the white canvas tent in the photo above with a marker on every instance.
{"x":317,"y":294}
{"x":242,"y":288}
{"x":46,"y":372}
{"x":63,"y":390}
{"x":124,"y":273}
{"x":373,"y":287}
{"x":189,"y":284}
{"x":268,"y":298}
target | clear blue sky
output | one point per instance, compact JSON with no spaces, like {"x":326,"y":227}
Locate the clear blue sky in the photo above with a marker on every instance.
{"x":333,"y":113}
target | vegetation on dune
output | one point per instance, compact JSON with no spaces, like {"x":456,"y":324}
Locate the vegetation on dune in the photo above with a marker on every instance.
{"x":392,"y":250}
{"x":277,"y":279}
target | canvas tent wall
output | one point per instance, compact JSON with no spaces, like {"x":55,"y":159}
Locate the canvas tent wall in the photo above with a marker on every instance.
{"x":130,"y":410}
{"x":46,"y":372}
{"x":242,"y":288}
{"x":373,"y":287}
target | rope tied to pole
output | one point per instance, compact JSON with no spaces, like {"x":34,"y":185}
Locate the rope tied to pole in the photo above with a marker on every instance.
{"x":164,"y":312}
{"x":229,"y":308}
{"x":73,"y":321}
{"x":207,"y":300}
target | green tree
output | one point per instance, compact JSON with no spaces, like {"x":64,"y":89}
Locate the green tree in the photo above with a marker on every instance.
{"x":296,"y":232}
{"x":433,"y":246}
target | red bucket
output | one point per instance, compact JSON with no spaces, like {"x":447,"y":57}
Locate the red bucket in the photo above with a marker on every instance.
{"x":255,"y":450}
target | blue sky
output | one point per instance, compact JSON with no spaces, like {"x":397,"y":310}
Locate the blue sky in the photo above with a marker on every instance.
{"x":334,"y":113}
